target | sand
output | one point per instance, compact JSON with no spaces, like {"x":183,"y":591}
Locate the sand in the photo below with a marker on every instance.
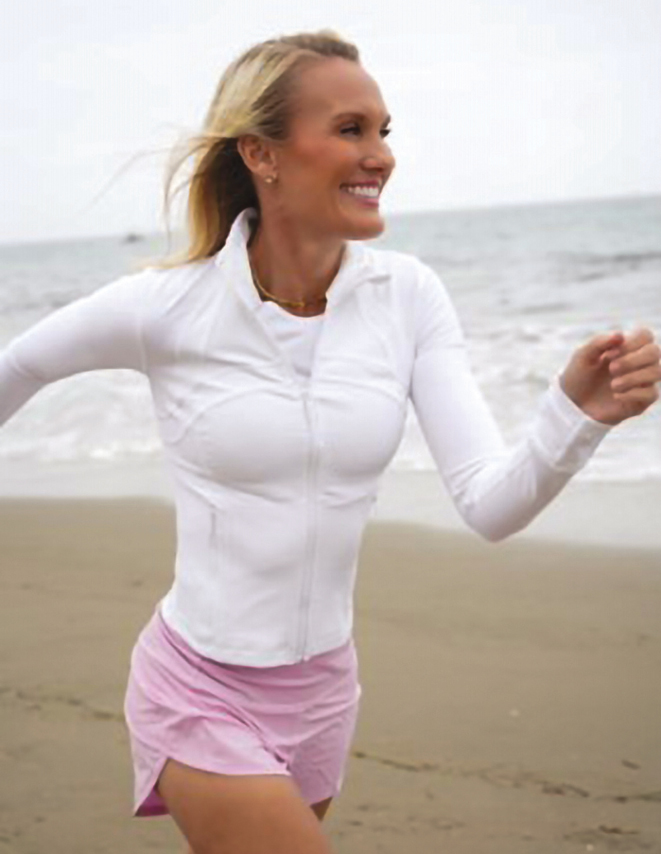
{"x":511,"y":692}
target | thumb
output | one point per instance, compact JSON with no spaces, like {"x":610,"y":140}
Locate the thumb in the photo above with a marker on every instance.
{"x":596,"y":349}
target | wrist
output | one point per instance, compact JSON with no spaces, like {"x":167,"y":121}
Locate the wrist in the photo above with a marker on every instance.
{"x":570,"y":403}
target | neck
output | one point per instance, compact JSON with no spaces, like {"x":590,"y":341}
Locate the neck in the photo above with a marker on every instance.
{"x":291,"y":265}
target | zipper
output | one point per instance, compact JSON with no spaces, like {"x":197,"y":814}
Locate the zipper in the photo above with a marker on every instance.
{"x":304,"y":606}
{"x":312,"y":464}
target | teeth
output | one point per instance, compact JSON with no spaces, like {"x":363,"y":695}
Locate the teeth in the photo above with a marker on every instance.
{"x":372,"y":192}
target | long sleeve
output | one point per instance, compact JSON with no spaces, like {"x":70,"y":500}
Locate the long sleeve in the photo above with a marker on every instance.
{"x":496,"y":490}
{"x":101,"y":330}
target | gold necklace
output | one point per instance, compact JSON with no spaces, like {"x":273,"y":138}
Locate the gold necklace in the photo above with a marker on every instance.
{"x":293,"y":303}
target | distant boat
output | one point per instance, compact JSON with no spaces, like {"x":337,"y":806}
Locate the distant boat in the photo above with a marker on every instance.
{"x":132,"y":237}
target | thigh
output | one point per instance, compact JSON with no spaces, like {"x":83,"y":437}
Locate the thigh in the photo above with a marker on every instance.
{"x":240,"y":814}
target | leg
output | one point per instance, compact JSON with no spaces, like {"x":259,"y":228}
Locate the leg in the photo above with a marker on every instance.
{"x":319,"y":809}
{"x":240,"y":814}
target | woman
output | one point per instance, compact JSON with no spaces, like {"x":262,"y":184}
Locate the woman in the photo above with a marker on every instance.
{"x":281,"y":357}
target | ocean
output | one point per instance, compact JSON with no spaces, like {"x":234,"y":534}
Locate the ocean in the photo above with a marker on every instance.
{"x":530,"y":283}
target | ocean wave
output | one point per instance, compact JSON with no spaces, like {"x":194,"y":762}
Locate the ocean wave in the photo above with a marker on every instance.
{"x":545,"y":308}
{"x":585,"y":267}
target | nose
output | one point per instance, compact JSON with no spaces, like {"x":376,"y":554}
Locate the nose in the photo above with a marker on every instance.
{"x":379,"y":157}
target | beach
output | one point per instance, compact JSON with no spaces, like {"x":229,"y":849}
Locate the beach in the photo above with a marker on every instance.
{"x":510,"y":691}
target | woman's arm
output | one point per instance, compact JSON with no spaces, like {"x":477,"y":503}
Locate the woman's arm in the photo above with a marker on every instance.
{"x":101,"y":330}
{"x":497,"y":490}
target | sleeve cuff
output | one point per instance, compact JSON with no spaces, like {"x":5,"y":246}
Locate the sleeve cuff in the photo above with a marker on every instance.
{"x":564,"y":434}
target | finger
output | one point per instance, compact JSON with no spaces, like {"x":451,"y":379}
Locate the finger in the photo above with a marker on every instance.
{"x":635,"y":379}
{"x":638,"y":338}
{"x":638,"y":400}
{"x":648,"y":354}
{"x":610,"y":355}
{"x":597,"y":347}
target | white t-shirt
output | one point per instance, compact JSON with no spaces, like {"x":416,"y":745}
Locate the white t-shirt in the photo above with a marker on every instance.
{"x":297,"y":335}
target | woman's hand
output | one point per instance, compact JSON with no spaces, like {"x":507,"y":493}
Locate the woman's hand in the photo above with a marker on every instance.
{"x":614,"y":376}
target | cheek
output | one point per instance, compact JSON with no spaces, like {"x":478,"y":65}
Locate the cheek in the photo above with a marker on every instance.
{"x":324,"y":162}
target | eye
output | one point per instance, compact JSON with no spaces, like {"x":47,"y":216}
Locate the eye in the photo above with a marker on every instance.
{"x":351,"y":128}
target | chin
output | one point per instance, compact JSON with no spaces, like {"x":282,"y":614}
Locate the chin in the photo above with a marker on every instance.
{"x":365,"y":228}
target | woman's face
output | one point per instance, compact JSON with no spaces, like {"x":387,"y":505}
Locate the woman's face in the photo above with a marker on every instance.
{"x":337,"y":139}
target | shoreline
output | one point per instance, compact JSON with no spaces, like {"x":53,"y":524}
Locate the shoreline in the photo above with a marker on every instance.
{"x":592,"y":512}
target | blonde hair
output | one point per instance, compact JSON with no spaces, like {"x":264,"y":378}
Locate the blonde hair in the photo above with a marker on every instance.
{"x":253,"y":96}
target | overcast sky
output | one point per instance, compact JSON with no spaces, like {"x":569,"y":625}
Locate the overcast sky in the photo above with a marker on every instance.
{"x":493,"y":101}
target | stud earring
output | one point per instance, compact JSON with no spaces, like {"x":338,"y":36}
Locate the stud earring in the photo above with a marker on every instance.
{"x":269,"y":179}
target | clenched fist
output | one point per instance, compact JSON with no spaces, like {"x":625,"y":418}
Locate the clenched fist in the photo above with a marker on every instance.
{"x":614,"y":376}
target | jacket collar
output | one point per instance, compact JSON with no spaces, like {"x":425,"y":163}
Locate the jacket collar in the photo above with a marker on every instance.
{"x":360,"y":263}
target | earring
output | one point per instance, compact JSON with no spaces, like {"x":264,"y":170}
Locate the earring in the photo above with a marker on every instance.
{"x":269,"y":179}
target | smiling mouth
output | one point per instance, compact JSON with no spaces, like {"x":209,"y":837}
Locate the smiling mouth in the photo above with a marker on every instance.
{"x":370,"y":199}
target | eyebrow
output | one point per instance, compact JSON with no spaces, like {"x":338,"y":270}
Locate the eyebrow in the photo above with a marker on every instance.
{"x":358,"y":115}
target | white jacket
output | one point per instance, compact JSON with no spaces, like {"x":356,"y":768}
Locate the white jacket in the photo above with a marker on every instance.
{"x":274,"y":478}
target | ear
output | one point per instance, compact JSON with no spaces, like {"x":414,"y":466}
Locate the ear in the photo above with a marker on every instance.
{"x":257,"y":154}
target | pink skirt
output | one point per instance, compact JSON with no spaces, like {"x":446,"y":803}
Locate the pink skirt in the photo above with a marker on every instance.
{"x":292,"y":719}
